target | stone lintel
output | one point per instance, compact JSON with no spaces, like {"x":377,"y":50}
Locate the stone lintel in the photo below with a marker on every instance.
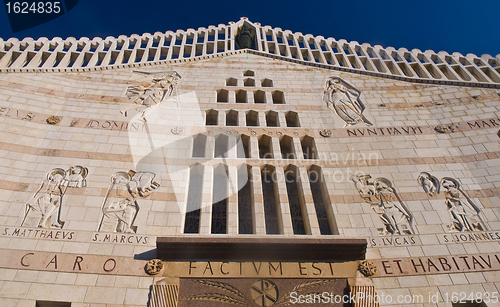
{"x":260,"y":249}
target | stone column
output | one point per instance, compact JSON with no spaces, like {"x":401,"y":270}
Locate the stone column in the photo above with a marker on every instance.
{"x":281,"y":119}
{"x":206,"y":201}
{"x":254,"y":148}
{"x":297,"y":149}
{"x":258,"y":202}
{"x":283,"y":205}
{"x":309,"y":210}
{"x":275,"y":148}
{"x":232,"y":200}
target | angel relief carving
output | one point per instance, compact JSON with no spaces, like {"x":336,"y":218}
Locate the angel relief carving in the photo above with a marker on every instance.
{"x":163,"y":85}
{"x":343,"y":99}
{"x":385,"y":201}
{"x":120,"y":206}
{"x":463,"y":212}
{"x":43,"y":209}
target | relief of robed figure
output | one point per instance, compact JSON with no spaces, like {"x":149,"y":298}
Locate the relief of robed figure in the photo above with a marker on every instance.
{"x":120,"y":206}
{"x":343,"y":99}
{"x":385,"y":201}
{"x":43,"y":209}
{"x":463,"y":213}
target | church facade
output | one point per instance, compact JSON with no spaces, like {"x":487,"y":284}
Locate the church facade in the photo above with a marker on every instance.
{"x":246,"y":165}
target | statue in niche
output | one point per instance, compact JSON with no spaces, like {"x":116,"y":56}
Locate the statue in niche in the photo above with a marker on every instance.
{"x":44,"y":207}
{"x":164,"y":84}
{"x":343,"y":99}
{"x":385,"y":201}
{"x":245,"y":39}
{"x":464,"y":214}
{"x":120,"y":207}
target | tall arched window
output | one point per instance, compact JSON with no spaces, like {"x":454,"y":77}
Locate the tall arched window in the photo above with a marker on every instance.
{"x":296,"y":201}
{"x":269,"y":191}
{"x":252,"y":118}
{"x":232,"y":118}
{"x":245,"y":201}
{"x":309,"y":148}
{"x":219,"y":200}
{"x":259,"y":97}
{"x":243,"y":146}
{"x":212,"y":117}
{"x":272,"y":119}
{"x":265,"y":149}
{"x":241,"y":96}
{"x":326,"y":220}
{"x":199,"y":144}
{"x":222,"y":96}
{"x":286,"y":146}
{"x":193,"y":205}
{"x":292,"y":119}
{"x":220,"y":150}
{"x":278,"y":97}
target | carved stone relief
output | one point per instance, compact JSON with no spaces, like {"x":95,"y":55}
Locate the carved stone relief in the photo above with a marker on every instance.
{"x":385,"y":201}
{"x":120,"y":207}
{"x":343,"y":99}
{"x":154,"y":266}
{"x":44,"y":207}
{"x":53,"y":120}
{"x":163,"y":85}
{"x":253,"y":292}
{"x":367,"y":268}
{"x":446,"y":128}
{"x":325,"y":133}
{"x":429,"y":183}
{"x":163,"y":295}
{"x":463,"y":212}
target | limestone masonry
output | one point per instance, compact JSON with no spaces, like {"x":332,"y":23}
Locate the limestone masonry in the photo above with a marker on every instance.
{"x":247,"y":165}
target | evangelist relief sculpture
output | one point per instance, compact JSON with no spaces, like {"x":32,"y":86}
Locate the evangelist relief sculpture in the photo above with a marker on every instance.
{"x":385,"y":201}
{"x":120,"y":207}
{"x":464,"y":214}
{"x":343,"y":99}
{"x":43,"y":209}
{"x":164,"y":84}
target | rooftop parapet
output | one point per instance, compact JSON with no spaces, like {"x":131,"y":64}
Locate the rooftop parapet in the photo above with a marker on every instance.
{"x":85,"y":54}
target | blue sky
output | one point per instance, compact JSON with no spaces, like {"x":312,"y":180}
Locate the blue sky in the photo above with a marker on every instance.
{"x":453,"y":26}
